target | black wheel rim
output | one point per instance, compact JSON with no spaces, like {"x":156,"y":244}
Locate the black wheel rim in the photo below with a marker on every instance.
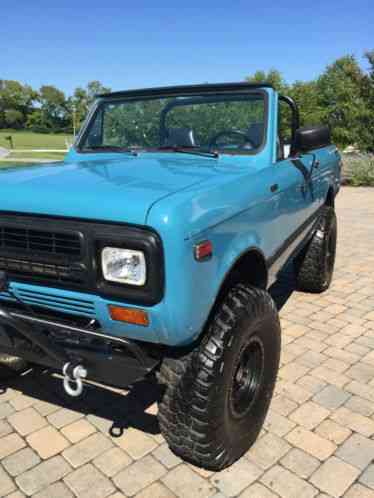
{"x":247,"y":377}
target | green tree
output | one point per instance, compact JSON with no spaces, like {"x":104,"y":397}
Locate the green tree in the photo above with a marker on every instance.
{"x":53,"y":108}
{"x":80,"y":102}
{"x":14,"y":118}
{"x":273,"y":76}
{"x":305,"y":94}
{"x":369,"y":95}
{"x":341,"y":95}
{"x":93,"y":89}
{"x":15,"y":97}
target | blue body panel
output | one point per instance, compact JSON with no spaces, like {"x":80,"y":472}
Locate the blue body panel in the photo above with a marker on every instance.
{"x":185,"y":199}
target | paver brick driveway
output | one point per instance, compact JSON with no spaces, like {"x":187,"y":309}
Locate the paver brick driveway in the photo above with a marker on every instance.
{"x":318,"y":438}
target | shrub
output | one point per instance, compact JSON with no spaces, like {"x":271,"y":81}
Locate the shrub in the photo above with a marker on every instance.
{"x":358,"y":170}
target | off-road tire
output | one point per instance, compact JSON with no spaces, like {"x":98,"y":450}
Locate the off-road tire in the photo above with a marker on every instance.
{"x":315,"y":266}
{"x":196,"y":413}
{"x":11,"y":366}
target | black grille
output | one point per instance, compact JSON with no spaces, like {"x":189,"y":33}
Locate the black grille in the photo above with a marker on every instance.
{"x":35,"y":251}
{"x":54,"y":272}
{"x":39,"y":241}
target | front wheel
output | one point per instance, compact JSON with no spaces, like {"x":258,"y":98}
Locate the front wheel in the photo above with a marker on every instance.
{"x":217,"y":396}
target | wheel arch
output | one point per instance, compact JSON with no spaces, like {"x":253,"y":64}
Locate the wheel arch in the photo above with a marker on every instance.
{"x":250,"y":267}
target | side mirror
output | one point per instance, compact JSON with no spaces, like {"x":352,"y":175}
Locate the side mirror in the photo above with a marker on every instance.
{"x":312,"y":137}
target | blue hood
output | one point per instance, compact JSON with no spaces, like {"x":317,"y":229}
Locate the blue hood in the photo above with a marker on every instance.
{"x":116,"y":189}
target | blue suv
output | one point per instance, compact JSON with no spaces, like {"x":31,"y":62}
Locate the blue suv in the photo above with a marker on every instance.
{"x":150,"y":251}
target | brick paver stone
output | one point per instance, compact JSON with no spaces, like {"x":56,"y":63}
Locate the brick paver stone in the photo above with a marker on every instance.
{"x":6,"y":409}
{"x":359,"y":491}
{"x":354,"y":421}
{"x":64,"y":417}
{"x":332,"y":431}
{"x":57,"y":490}
{"x":47,"y":442}
{"x":42,"y":475}
{"x":357,"y":450}
{"x":6,"y":483}
{"x":5,"y":428}
{"x":309,"y":415}
{"x":16,"y":494}
{"x":139,"y":475}
{"x":155,"y":490}
{"x":311,"y":443}
{"x":27,"y":421}
{"x":367,"y":477}
{"x":331,"y":397}
{"x":20,"y":462}
{"x":10,"y":444}
{"x":335,"y":477}
{"x":267,"y":451}
{"x":78,"y":430}
{"x":112,"y":461}
{"x":236,"y":478}
{"x":286,"y":484}
{"x":89,"y":482}
{"x":185,"y":483}
{"x":136,"y":443}
{"x":360,"y":405}
{"x":300,"y":463}
{"x":165,"y":456}
{"x":257,"y":490}
{"x":87,"y":450}
{"x":277,"y":424}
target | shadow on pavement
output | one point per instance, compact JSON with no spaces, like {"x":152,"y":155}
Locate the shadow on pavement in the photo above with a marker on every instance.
{"x":283,"y":288}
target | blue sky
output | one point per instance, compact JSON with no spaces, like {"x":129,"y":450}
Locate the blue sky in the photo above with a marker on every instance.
{"x":129,"y":44}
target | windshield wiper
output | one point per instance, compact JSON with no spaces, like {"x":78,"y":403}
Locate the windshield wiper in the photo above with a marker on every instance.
{"x":111,"y":148}
{"x":183,"y":150}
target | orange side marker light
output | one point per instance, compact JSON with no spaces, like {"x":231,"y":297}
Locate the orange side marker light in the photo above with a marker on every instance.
{"x":129,"y":315}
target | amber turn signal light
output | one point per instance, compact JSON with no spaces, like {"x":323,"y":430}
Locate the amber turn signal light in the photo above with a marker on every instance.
{"x":129,"y":315}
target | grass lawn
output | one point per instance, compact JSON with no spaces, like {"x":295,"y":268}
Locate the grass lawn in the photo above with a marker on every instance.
{"x":30,"y":140}
{"x":53,"y":156}
{"x":7,"y":164}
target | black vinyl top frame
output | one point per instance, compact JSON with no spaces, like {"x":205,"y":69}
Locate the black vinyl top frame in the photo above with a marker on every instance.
{"x":187,"y":90}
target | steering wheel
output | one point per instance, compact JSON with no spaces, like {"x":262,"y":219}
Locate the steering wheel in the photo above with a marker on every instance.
{"x":232,"y":133}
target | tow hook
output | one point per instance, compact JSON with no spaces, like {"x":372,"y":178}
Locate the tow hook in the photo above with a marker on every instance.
{"x":73,"y":375}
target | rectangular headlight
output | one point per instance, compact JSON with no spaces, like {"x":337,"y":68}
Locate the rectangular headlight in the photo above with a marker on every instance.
{"x":124,"y":266}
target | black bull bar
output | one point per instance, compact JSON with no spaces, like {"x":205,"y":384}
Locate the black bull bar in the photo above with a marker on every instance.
{"x":99,"y":357}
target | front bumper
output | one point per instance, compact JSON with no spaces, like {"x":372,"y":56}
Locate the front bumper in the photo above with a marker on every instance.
{"x":85,"y":307}
{"x":110,"y":360}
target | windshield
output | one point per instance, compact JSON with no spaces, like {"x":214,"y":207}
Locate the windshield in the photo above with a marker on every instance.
{"x":230,"y":123}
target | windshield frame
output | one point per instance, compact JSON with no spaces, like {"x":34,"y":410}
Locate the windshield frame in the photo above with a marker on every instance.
{"x":103,"y":100}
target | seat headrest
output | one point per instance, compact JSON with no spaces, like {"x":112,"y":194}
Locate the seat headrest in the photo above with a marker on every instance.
{"x":256,"y":133}
{"x":180,"y":137}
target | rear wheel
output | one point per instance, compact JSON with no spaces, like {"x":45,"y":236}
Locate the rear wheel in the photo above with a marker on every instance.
{"x":315,"y":266}
{"x":11,"y":366}
{"x":217,"y":396}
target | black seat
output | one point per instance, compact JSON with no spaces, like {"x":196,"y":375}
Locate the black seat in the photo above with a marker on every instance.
{"x":180,"y":137}
{"x":256,"y":133}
